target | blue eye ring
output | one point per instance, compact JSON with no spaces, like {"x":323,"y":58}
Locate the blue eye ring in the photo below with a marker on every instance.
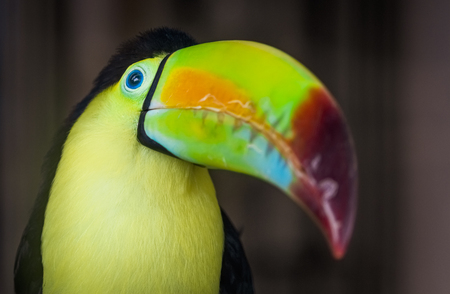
{"x":134,"y":79}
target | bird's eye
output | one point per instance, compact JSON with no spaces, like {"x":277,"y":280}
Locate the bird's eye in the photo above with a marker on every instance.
{"x":134,"y":79}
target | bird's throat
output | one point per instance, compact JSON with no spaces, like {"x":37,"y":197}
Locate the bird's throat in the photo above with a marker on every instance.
{"x":122,"y":218}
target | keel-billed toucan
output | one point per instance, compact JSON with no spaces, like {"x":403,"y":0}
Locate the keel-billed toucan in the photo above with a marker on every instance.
{"x":127,"y":204}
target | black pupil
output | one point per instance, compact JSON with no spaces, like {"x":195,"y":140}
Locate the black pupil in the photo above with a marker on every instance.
{"x":135,"y":79}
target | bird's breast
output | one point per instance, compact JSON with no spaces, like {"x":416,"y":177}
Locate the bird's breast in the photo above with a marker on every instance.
{"x":129,"y":223}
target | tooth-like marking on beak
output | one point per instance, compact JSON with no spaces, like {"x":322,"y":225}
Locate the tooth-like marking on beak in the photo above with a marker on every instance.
{"x":269,"y":149}
{"x":220,"y":117}
{"x":182,"y":90}
{"x":204,"y":115}
{"x":277,"y":121}
{"x":257,"y":126}
{"x":253,"y":135}
{"x":237,"y":124}
{"x":263,"y":117}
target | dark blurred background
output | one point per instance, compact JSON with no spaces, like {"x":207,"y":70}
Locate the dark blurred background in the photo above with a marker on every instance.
{"x":387,"y":62}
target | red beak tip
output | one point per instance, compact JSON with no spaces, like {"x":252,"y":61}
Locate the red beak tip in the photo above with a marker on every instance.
{"x":338,"y":251}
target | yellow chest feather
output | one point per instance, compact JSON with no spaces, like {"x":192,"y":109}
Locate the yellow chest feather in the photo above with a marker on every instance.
{"x":124,"y":219}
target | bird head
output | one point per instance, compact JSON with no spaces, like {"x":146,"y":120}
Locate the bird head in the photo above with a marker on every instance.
{"x":249,"y":108}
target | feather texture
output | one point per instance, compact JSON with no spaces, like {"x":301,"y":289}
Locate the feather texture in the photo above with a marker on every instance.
{"x":95,"y":213}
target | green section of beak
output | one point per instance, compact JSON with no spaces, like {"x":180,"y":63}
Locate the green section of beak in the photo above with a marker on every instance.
{"x":250,"y":108}
{"x":250,"y":68}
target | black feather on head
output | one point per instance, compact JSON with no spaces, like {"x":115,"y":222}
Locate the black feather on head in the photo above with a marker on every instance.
{"x":149,"y":44}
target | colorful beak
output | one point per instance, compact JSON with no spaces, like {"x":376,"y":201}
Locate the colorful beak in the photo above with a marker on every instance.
{"x":250,"y":108}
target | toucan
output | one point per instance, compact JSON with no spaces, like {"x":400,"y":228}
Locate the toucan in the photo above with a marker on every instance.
{"x":127,"y":204}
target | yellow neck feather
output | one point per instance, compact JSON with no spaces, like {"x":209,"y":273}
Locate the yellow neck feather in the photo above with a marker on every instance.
{"x":122,"y":218}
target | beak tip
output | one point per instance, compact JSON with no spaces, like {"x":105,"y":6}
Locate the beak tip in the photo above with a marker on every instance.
{"x":329,"y":188}
{"x":335,"y":215}
{"x":338,"y":251}
{"x":340,"y":241}
{"x":339,"y":218}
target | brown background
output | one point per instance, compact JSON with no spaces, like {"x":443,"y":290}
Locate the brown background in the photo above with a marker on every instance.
{"x":386,"y":61}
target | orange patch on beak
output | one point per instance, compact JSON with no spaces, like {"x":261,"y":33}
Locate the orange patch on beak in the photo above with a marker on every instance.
{"x":194,"y":89}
